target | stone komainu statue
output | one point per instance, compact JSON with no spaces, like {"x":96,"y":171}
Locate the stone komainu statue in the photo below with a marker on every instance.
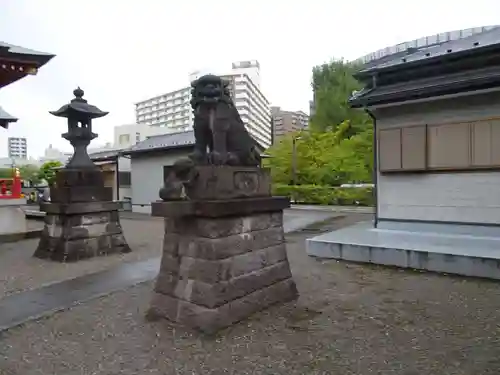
{"x":220,"y":138}
{"x":218,"y":126}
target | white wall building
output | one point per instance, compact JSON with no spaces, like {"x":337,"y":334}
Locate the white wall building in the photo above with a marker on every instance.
{"x":17,"y":162}
{"x":128,"y":135}
{"x":172,"y":112}
{"x":17,"y":147}
{"x":251,"y":68}
{"x":54,"y":154}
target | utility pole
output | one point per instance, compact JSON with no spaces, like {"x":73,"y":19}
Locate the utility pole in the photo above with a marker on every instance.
{"x":294,"y":160}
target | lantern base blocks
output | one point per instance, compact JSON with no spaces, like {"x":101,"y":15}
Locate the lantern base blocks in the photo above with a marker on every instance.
{"x":81,"y":220}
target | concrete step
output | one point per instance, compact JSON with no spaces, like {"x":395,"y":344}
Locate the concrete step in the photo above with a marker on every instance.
{"x":459,"y":254}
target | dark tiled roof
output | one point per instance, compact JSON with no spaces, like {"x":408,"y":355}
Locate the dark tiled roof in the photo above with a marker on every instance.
{"x":5,"y":118}
{"x":163,"y":142}
{"x":483,"y":40}
{"x":427,"y":87}
{"x":104,"y":154}
{"x":23,"y":51}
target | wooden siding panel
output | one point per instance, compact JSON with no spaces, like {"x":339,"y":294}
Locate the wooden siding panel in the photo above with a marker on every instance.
{"x":449,"y":146}
{"x":389,"y":150}
{"x":495,"y":142}
{"x":413,"y":148}
{"x":481,"y":143}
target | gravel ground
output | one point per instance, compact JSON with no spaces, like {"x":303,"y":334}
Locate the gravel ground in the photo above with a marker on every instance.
{"x":19,"y":271}
{"x":350,"y":319}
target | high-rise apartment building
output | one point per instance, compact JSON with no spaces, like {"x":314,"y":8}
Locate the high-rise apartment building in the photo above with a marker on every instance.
{"x":18,"y":148}
{"x":252,"y":106}
{"x":172,"y":112}
{"x":287,"y":121}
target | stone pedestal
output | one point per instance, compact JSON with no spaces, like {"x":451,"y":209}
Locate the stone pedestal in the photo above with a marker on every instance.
{"x":223,"y":260}
{"x":81,"y":220}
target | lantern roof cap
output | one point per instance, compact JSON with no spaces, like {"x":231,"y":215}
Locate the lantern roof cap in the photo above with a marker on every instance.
{"x":79,"y":106}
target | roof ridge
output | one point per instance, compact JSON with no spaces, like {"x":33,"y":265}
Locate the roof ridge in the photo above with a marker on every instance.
{"x":169,"y":134}
{"x":23,"y":50}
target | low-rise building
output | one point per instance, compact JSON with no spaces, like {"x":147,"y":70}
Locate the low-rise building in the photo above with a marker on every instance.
{"x":436,"y":116}
{"x":148,"y":160}
{"x":116,"y":172}
{"x":285,"y":122}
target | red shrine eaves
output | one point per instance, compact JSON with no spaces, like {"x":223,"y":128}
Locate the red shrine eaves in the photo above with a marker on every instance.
{"x":16,"y":63}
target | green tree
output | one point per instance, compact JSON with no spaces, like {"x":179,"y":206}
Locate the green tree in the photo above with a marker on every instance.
{"x":333,"y":84}
{"x":6,"y":172}
{"x":47,"y":171}
{"x":31,"y":173}
{"x":324,"y":158}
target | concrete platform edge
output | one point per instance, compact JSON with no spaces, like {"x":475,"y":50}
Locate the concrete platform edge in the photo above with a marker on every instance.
{"x":448,"y":263}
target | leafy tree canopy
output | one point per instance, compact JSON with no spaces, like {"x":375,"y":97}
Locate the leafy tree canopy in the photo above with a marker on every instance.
{"x":30,"y":172}
{"x":337,"y":147}
{"x":47,"y":171}
{"x":6,"y":172}
{"x":333,"y":84}
{"x":324,"y":158}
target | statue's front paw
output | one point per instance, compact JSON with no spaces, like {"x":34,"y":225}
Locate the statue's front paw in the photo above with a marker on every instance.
{"x":172,"y":191}
{"x":198,"y":157}
{"x":217,"y":158}
{"x":232,"y":159}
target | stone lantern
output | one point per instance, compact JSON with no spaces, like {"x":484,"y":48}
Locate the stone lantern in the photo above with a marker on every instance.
{"x":81,"y":219}
{"x":80,"y":115}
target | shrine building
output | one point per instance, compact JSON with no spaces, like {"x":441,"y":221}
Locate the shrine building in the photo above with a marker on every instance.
{"x":16,"y":63}
{"x":436,"y":112}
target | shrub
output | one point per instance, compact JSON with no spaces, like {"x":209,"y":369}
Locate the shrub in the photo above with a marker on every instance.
{"x":318,"y":194}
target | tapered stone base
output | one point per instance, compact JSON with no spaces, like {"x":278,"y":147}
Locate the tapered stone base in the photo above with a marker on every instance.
{"x":81,"y":230}
{"x":216,"y":271}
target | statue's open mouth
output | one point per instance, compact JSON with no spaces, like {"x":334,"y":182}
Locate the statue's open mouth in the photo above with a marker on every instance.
{"x":210,"y":99}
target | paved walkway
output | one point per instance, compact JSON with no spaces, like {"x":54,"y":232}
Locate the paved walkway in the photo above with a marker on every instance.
{"x":20,"y":307}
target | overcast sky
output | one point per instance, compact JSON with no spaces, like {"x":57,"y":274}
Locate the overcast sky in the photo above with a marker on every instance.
{"x":123,"y":51}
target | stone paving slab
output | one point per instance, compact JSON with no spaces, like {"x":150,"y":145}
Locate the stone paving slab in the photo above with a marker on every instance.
{"x":21,"y":307}
{"x":20,"y":271}
{"x":20,"y":236}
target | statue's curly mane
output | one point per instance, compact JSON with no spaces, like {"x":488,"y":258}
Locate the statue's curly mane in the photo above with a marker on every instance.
{"x":210,"y":89}
{"x":218,"y":126}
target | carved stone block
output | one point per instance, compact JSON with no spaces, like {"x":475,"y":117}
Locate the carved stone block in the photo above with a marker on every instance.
{"x":80,"y":194}
{"x":70,"y":234}
{"x":69,"y":177}
{"x":216,"y":271}
{"x":224,"y":182}
{"x":219,"y":208}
